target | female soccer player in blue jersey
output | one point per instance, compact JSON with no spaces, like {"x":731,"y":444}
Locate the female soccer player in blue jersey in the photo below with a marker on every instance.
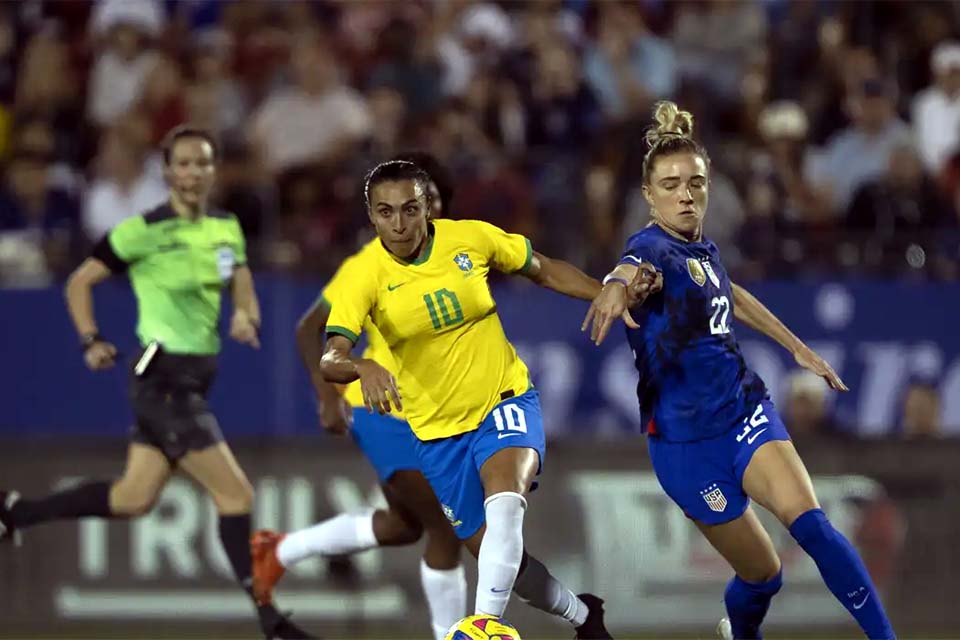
{"x":388,"y":444}
{"x":715,"y":438}
{"x":465,"y":393}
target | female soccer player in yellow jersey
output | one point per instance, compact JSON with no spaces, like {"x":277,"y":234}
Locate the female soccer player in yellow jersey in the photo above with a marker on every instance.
{"x":387,"y":443}
{"x":462,"y":388}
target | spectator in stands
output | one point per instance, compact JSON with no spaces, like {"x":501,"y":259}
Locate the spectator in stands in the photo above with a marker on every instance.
{"x":35,"y":136}
{"x":477,"y":36}
{"x":286,"y":128}
{"x":496,"y":192}
{"x":715,"y":41}
{"x":9,"y":53}
{"x":806,"y":409}
{"x":862,"y":151}
{"x":903,"y":208}
{"x":214,"y":84}
{"x":408,"y":66}
{"x":628,"y":67}
{"x":125,"y":59}
{"x":782,"y":166}
{"x":563,"y":111}
{"x":936,"y":109}
{"x":37,"y":222}
{"x":124,"y":185}
{"x":48,"y":89}
{"x":920,"y":419}
{"x":494,"y":101}
{"x":162,"y":98}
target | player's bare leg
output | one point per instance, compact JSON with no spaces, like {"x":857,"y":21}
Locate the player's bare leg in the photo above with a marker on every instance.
{"x":503,"y":564}
{"x":412,"y":510}
{"x":145,"y":475}
{"x":747,"y":547}
{"x":216,"y":469}
{"x":133,"y":494}
{"x":777,"y":479}
{"x":441,"y":574}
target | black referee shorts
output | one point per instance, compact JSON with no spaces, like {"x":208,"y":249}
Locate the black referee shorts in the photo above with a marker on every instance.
{"x":170,"y":405}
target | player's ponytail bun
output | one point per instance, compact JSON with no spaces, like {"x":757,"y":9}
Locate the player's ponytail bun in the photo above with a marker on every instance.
{"x":671,"y":121}
{"x":672,"y":133}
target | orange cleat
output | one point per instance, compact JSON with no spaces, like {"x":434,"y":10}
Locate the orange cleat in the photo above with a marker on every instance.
{"x":267,"y":569}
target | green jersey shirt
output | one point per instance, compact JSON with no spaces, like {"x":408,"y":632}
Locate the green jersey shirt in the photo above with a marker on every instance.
{"x":178,"y":268}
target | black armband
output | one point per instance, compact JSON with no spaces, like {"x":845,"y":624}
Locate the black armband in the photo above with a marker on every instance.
{"x":104,"y":252}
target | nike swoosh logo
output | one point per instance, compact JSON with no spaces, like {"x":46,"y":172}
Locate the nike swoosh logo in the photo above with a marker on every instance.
{"x":755,"y":436}
{"x":860,"y":606}
{"x":506,"y":435}
{"x":494,"y":589}
{"x":391,"y":287}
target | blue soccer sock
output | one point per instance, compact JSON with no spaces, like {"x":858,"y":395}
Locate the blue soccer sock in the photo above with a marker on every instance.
{"x":843,"y":571}
{"x":747,"y":604}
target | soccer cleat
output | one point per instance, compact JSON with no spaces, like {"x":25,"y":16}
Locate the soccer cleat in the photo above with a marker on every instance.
{"x":267,"y":569}
{"x":8,"y":531}
{"x":277,"y":626}
{"x":593,"y":627}
{"x":724,"y":629}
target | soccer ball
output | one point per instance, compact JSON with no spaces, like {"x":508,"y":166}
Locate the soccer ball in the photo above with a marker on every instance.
{"x":483,"y":627}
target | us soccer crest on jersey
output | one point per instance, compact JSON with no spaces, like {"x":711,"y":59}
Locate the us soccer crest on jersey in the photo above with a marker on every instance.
{"x":696,"y":272}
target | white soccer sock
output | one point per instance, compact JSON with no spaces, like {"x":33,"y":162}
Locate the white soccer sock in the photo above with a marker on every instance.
{"x":537,"y":587}
{"x":500,"y":552}
{"x":340,"y":535}
{"x":446,"y":591}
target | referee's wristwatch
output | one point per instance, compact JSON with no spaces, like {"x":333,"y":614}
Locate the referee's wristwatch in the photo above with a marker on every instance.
{"x":87,"y":340}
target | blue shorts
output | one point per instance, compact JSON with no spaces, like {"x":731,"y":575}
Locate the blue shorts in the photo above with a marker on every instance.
{"x":386,"y":442}
{"x":705,"y":477}
{"x":452,"y":465}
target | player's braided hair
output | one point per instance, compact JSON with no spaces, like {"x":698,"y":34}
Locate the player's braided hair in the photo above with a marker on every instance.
{"x":394,"y":171}
{"x":673,"y":133}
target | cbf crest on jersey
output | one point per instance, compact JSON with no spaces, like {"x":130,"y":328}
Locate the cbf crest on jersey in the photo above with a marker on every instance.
{"x":696,"y":272}
{"x":463,"y":261}
{"x":714,"y":498}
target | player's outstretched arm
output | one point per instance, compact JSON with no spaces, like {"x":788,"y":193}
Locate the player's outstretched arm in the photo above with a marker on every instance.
{"x":378,"y":385}
{"x":562,"y":277}
{"x":98,"y":353}
{"x":625,"y":287}
{"x":752,"y":312}
{"x":334,"y":416}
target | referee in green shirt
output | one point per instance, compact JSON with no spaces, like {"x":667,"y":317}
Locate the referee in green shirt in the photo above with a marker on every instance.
{"x":180,"y":257}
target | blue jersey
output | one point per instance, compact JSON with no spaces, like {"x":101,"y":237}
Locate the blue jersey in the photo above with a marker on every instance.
{"x":694,"y":383}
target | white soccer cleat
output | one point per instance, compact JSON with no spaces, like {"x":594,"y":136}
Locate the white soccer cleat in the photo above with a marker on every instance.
{"x":724,"y":629}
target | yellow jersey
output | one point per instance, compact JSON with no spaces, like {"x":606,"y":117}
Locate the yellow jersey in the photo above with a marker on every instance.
{"x":377,"y":349}
{"x":453,"y":361}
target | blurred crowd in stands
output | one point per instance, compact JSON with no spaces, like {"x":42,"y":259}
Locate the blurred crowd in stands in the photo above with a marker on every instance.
{"x":833,"y":127}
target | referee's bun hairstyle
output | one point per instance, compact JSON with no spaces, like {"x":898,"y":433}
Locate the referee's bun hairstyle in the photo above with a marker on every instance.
{"x":187,"y":131}
{"x":438,"y":174}
{"x":672,"y":133}
{"x":395,"y":171}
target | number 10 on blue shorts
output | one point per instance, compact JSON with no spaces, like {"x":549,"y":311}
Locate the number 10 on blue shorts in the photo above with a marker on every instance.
{"x":452,"y":465}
